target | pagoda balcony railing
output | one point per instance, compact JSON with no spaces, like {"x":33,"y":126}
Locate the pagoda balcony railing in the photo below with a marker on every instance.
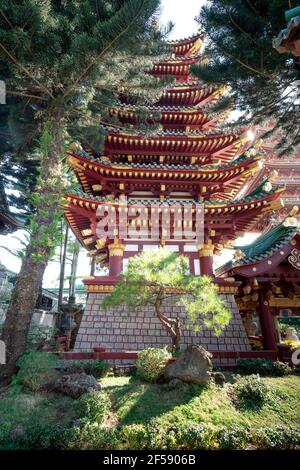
{"x":287,"y":180}
{"x":292,"y":199}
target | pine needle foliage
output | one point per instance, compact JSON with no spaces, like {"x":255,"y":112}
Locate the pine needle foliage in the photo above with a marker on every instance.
{"x":263,"y":83}
{"x":74,"y":56}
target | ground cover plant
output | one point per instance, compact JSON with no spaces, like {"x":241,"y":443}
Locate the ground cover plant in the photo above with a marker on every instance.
{"x":131,"y":413}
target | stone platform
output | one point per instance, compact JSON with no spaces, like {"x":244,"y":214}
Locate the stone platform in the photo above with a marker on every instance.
{"x":119,"y":330}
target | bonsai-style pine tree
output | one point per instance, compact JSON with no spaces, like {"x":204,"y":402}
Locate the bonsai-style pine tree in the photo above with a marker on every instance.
{"x":153,"y":277}
{"x":263,"y":83}
{"x":53,"y":55}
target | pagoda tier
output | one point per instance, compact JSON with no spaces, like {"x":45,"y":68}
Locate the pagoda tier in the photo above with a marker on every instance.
{"x":206,"y":148}
{"x":102,"y":177}
{"x":171,"y":118}
{"x":188,"y":46}
{"x":178,"y":68}
{"x":190,"y":94}
{"x":223,"y":221}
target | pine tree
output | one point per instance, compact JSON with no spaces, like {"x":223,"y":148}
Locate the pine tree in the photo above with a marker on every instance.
{"x":156,"y":276}
{"x":53,"y":54}
{"x":18,"y":171}
{"x":263,"y":83}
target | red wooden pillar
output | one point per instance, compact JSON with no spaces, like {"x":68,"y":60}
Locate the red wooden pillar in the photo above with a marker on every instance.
{"x":267,"y":323}
{"x":206,"y":259}
{"x":116,"y":251}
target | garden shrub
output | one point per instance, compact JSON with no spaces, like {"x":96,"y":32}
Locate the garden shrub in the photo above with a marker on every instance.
{"x":94,"y":437}
{"x":234,"y":437}
{"x":196,"y":437}
{"x":97,"y":368}
{"x":278,"y":437}
{"x":155,"y":435}
{"x":37,"y":436}
{"x":263,"y":367}
{"x":252,"y":390}
{"x":151,"y":363}
{"x":36,"y":369}
{"x":135,"y":436}
{"x":94,"y":406}
{"x":37,"y":337}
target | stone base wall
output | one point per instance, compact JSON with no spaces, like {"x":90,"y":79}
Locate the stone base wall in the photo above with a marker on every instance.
{"x":118,"y":330}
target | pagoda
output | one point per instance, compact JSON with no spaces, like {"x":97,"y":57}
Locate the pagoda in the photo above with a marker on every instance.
{"x":190,"y":166}
{"x":283,"y":170}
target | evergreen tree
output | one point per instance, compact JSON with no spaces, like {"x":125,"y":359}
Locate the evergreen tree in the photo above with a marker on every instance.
{"x":263,"y":83}
{"x":53,"y":53}
{"x":18,"y":172}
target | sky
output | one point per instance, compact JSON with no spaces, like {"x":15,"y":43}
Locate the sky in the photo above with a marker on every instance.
{"x":182,"y":13}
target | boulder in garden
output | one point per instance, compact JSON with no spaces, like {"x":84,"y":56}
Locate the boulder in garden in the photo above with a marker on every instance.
{"x":193,"y":366}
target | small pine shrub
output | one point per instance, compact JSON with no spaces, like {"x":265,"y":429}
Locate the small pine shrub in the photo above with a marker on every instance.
{"x":94,"y":406}
{"x":263,"y":367}
{"x":36,"y":369}
{"x":151,"y":363}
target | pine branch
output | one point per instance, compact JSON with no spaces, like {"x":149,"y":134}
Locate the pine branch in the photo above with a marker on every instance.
{"x":241,"y":29}
{"x":20,"y":66}
{"x":6,"y":19}
{"x":246,"y":66}
{"x":101,"y":54}
{"x":26,"y":95}
{"x":11,"y":252}
{"x":253,"y":8}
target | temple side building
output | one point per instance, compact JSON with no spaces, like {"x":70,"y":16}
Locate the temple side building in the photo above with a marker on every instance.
{"x":268,"y":272}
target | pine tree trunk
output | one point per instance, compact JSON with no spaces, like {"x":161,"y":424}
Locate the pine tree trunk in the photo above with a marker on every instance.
{"x":42,"y":241}
{"x":172,"y":326}
{"x":176,"y":338}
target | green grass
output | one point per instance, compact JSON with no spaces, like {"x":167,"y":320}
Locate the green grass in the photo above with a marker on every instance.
{"x":26,"y":409}
{"x":134,"y":401}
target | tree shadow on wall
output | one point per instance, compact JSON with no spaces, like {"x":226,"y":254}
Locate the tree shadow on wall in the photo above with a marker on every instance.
{"x":139,"y":401}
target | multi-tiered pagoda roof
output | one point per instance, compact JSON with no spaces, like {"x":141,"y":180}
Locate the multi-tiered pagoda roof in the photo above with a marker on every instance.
{"x":189,"y":163}
{"x":101,"y":176}
{"x":170,"y":117}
